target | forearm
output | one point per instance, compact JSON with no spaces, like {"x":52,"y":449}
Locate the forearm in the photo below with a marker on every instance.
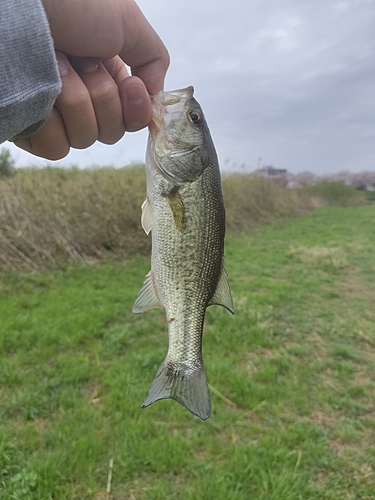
{"x":30,"y":81}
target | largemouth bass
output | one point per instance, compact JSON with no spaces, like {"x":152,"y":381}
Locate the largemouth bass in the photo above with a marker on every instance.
{"x":184,"y":211}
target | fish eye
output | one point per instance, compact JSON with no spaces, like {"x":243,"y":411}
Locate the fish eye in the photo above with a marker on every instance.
{"x":195,"y":117}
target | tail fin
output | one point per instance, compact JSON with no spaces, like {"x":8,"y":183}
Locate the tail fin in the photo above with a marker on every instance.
{"x":178,"y":383}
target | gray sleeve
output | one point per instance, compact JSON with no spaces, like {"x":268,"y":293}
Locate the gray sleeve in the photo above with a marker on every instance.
{"x":29,"y":78}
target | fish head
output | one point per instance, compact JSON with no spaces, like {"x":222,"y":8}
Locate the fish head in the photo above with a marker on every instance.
{"x":180,"y":144}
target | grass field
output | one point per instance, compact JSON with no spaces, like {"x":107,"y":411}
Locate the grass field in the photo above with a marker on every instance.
{"x":296,"y":364}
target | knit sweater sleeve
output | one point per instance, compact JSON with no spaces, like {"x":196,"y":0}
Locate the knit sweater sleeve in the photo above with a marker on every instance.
{"x":29,"y":78}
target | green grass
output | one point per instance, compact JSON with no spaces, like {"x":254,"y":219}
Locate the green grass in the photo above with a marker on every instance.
{"x":297,"y":360}
{"x":337,"y":193}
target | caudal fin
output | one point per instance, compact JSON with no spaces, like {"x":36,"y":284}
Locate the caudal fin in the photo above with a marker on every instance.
{"x":178,"y":383}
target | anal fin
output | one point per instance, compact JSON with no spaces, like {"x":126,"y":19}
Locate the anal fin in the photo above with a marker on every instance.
{"x":147,"y":297}
{"x":223,"y":296}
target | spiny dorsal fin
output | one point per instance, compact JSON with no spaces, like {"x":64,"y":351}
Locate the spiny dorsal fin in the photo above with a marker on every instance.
{"x":147,"y":297}
{"x":146,"y":219}
{"x":223,"y":296}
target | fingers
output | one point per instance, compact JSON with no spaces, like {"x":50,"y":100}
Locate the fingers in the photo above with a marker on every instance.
{"x":135,"y":100}
{"x":136,"y":104}
{"x":98,"y":101}
{"x":72,"y":122}
{"x":100,"y":104}
{"x":143,"y":50}
{"x":51,"y":142}
{"x":105,"y":98}
{"x":75,"y":106}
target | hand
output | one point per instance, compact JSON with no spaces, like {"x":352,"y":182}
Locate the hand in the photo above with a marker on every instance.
{"x":99,"y":100}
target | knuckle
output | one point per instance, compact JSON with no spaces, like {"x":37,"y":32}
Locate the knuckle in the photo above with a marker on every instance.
{"x":78,"y":99}
{"x":104,"y":93}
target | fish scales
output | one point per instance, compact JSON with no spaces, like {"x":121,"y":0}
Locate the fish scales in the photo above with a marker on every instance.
{"x":184,"y":211}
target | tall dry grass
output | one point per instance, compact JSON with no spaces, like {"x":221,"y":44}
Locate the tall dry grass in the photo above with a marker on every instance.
{"x":253,"y":200}
{"x":51,"y":216}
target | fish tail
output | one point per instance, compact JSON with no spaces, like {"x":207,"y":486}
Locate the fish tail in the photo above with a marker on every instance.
{"x":185,"y":386}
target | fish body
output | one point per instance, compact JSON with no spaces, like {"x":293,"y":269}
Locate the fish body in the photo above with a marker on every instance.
{"x":184,"y":210}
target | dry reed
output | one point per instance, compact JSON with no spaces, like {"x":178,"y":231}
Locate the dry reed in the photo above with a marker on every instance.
{"x":51,"y":216}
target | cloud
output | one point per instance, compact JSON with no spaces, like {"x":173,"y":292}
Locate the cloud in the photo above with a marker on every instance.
{"x":291,"y":82}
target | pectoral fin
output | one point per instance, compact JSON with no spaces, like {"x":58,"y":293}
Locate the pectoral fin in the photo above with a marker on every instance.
{"x":223,"y":296}
{"x":177,"y":206}
{"x":146,"y":219}
{"x":147,"y":297}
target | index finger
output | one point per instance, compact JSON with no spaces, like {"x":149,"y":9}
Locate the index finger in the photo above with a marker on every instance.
{"x":143,"y":50}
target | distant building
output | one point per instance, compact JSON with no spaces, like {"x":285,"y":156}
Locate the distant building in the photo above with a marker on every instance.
{"x":270,"y":171}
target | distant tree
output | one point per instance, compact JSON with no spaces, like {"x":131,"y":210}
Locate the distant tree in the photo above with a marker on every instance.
{"x":303,"y":178}
{"x":341,"y":175}
{"x":364,"y":180}
{"x":7,"y":164}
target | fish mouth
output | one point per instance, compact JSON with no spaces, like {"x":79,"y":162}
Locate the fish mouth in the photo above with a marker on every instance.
{"x":165,"y":103}
{"x":175,"y":96}
{"x":155,"y":126}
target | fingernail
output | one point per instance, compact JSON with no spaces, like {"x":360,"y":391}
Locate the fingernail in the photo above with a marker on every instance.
{"x":86,"y":64}
{"x":136,"y":94}
{"x":62,"y":64}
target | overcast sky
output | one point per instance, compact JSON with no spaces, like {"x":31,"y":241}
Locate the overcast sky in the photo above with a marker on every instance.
{"x":284,"y":83}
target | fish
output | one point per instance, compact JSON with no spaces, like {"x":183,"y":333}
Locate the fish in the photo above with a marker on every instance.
{"x":184,"y":211}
